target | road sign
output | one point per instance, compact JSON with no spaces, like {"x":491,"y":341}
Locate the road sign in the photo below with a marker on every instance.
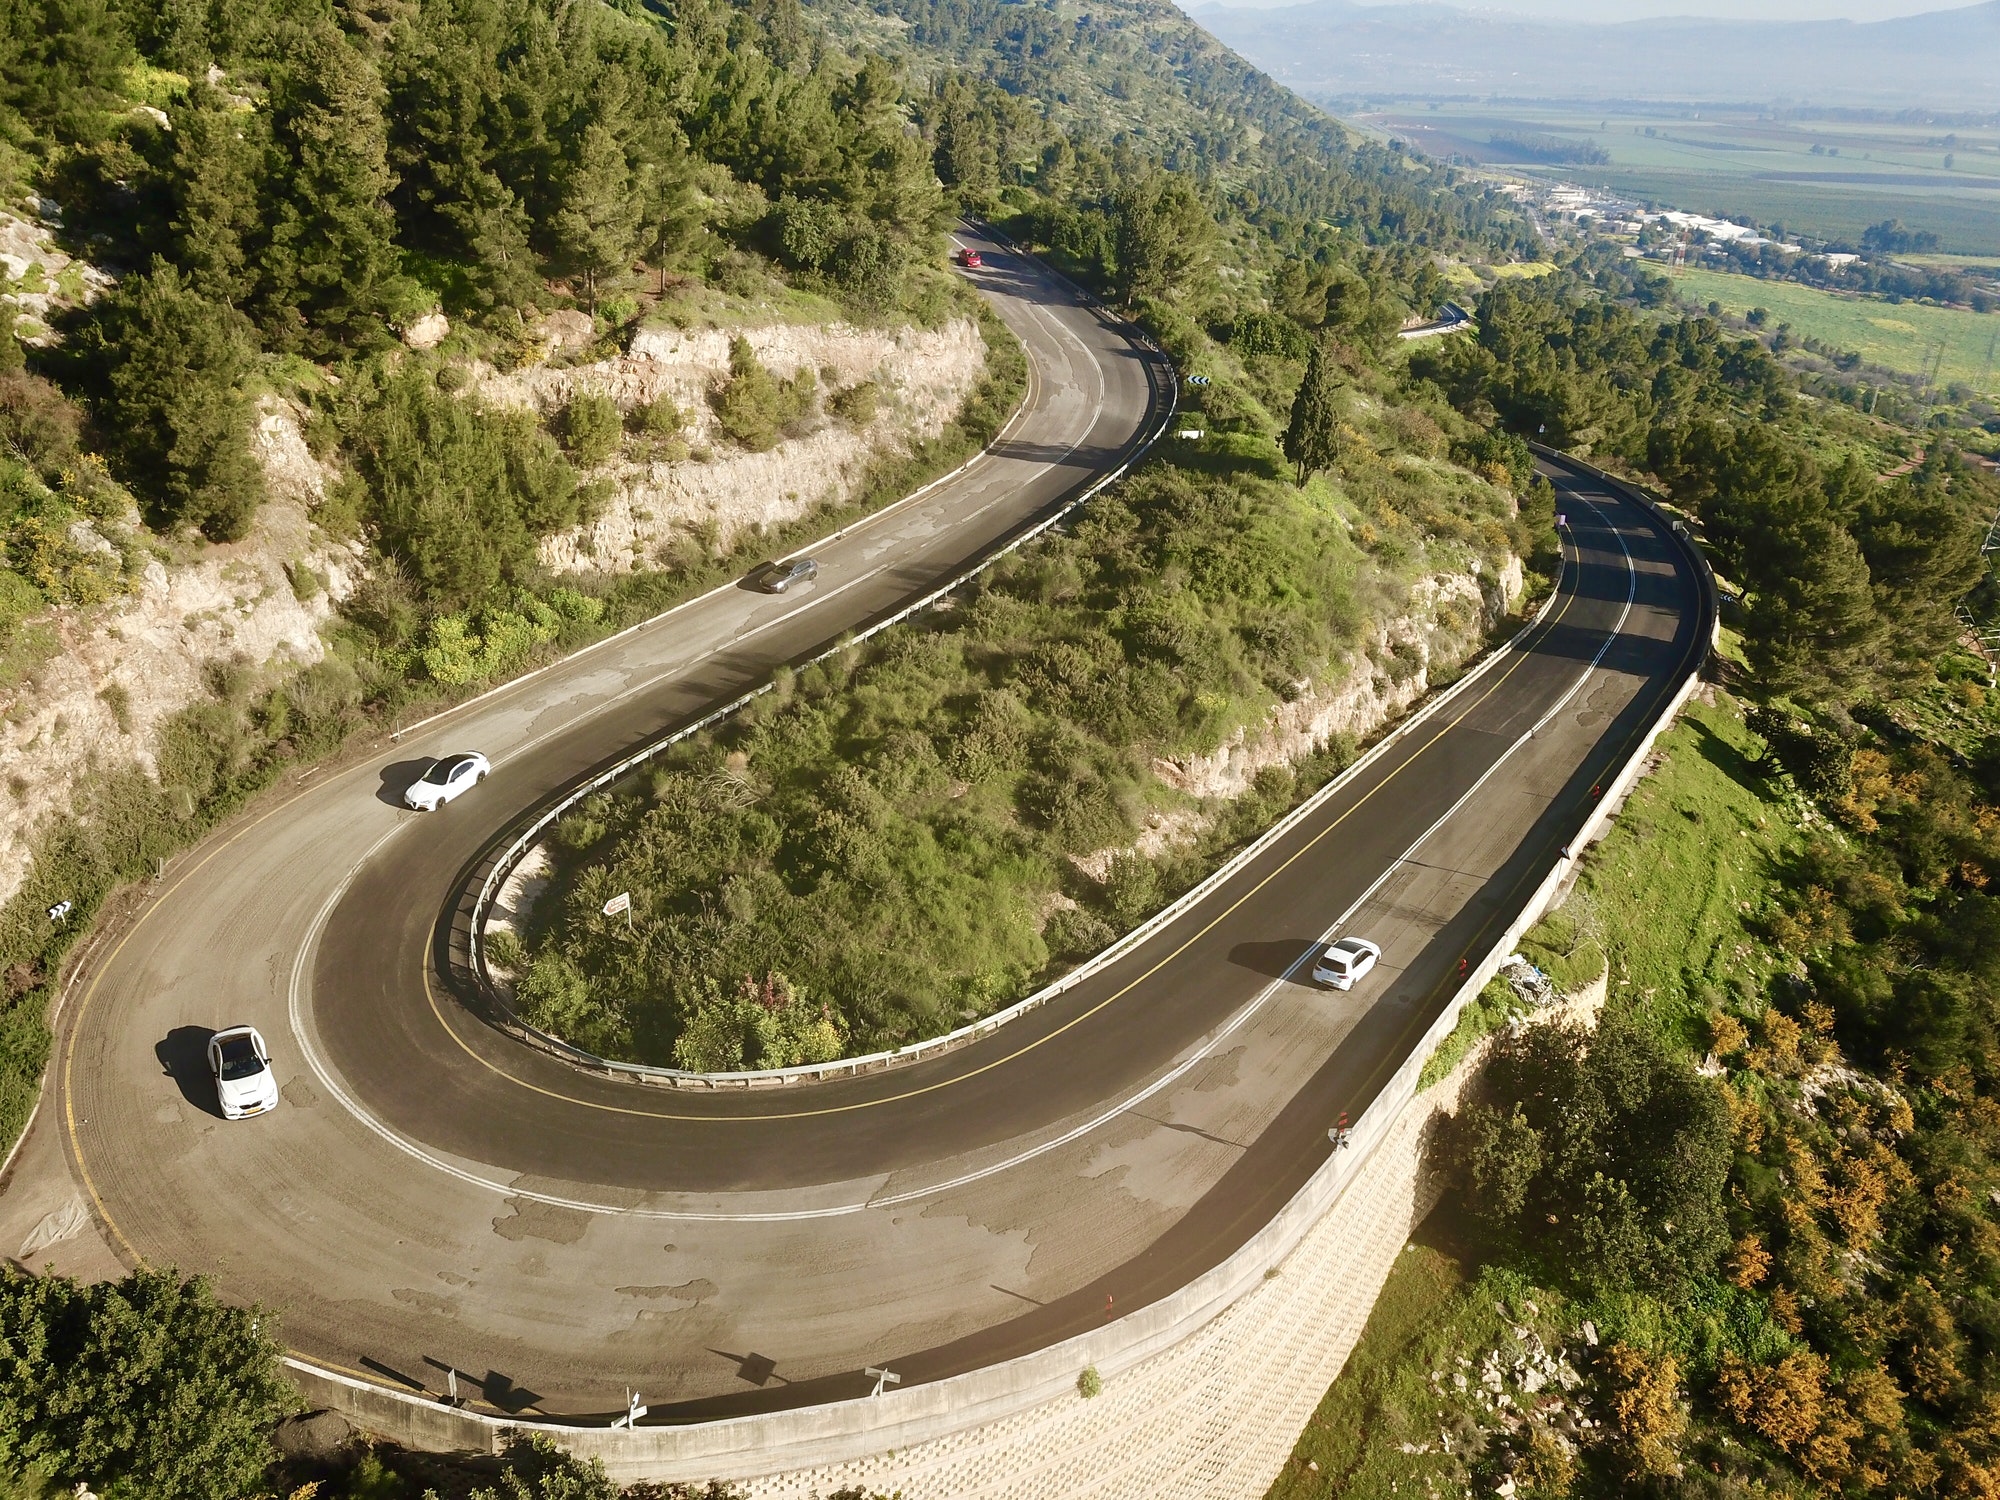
{"x":633,"y":1411}
{"x":881,"y":1378}
{"x":620,"y":902}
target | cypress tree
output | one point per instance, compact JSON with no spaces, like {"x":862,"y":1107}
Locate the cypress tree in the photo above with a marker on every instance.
{"x":218,"y":157}
{"x":1312,"y":440}
{"x":596,"y":229}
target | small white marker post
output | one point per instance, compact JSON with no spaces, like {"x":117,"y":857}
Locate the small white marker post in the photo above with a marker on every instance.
{"x":60,"y":910}
{"x":633,"y":1411}
{"x":620,"y":902}
{"x":882,"y":1378}
{"x":451,"y":1386}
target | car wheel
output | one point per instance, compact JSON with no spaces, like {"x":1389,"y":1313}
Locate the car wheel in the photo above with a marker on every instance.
{"x":479,"y":778}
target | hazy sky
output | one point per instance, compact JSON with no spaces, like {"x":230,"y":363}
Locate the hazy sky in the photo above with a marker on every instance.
{"x":1632,"y":10}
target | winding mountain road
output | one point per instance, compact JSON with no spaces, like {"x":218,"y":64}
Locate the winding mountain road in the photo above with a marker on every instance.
{"x":432,"y":1195}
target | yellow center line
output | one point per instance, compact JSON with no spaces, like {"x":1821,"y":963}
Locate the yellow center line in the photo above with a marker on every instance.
{"x":437,"y":1010}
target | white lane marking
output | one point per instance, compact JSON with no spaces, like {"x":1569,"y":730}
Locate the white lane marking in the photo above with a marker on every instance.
{"x":1201,"y":1053}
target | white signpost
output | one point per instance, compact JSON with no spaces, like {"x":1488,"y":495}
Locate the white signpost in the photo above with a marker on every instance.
{"x":881,"y":1378}
{"x":633,"y":1411}
{"x":620,"y":902}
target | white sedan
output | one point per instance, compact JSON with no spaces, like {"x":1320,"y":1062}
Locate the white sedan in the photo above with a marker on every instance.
{"x":446,"y":780}
{"x":1345,"y":962}
{"x":244,"y":1082}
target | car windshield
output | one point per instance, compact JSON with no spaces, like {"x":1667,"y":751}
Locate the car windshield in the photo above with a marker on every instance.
{"x":1349,"y":948}
{"x":440,"y":773}
{"x":240,"y":1059}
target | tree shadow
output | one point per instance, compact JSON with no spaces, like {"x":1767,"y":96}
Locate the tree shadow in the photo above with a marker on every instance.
{"x":183,"y":1055}
{"x":1751,"y":775}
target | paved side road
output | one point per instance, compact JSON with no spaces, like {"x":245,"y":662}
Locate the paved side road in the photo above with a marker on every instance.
{"x":435,"y":1197}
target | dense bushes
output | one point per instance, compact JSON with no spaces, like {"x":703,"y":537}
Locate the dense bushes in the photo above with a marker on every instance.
{"x":459,"y":492}
{"x":1606,"y":1149}
{"x":754,"y":408}
{"x":145,"y":1386}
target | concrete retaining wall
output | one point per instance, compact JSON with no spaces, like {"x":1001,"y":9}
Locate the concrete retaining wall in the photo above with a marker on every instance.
{"x":1204,"y":1391}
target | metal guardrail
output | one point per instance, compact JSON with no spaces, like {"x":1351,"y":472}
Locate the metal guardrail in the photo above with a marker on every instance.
{"x":503,"y":1015}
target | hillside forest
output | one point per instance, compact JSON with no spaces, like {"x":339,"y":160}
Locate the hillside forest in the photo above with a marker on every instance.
{"x":1766,"y":1181}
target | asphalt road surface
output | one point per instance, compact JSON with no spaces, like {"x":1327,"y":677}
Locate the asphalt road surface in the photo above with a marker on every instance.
{"x":432,"y":1196}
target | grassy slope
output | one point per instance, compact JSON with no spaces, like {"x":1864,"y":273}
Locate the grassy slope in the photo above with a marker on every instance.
{"x":1900,"y":336}
{"x":1671,"y":896}
{"x":964,"y":843}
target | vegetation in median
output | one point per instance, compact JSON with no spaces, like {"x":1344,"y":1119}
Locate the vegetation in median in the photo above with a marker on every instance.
{"x":915,"y":832}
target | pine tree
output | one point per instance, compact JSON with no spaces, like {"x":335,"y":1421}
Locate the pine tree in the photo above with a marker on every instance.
{"x":327,"y":267}
{"x":1164,"y":230}
{"x":1312,"y":440}
{"x":219,"y":152}
{"x":446,"y":126}
{"x":170,"y":366}
{"x":596,"y":229}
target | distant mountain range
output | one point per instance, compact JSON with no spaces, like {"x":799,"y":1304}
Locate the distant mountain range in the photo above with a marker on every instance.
{"x":1947,"y":59}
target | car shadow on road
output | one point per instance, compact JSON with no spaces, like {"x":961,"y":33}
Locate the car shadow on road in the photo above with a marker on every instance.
{"x":183,"y":1055}
{"x":398,"y":778}
{"x":1276,"y":959}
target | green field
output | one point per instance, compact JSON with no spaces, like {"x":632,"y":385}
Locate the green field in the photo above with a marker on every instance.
{"x":1900,"y":336}
{"x":1736,"y":164}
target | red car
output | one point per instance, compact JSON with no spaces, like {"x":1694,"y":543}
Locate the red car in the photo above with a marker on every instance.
{"x":970,"y":260}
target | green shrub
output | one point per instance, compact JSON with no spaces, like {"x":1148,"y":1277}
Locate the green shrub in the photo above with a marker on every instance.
{"x":589,"y":428}
{"x":857,"y":405}
{"x":1614,"y":1151}
{"x":753,"y":407}
{"x":147,"y":1385}
{"x":767,"y":1025}
{"x":658,"y":419}
{"x":460,"y":492}
{"x":473,"y":648}
{"x":540,"y":1468}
